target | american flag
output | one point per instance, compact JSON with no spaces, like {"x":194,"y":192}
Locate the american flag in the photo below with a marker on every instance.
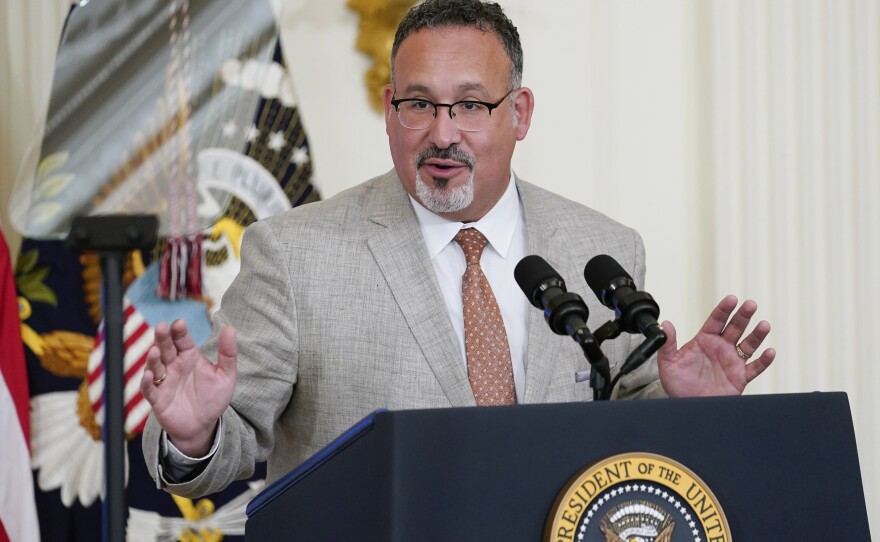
{"x":137,"y":338}
{"x":18,"y":513}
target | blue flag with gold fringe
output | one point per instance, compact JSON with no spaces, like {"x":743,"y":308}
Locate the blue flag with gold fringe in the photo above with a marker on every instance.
{"x":237,"y":153}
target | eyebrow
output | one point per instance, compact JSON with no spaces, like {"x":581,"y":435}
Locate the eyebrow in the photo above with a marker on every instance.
{"x":464,"y":87}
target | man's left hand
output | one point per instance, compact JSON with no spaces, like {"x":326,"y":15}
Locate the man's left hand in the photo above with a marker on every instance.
{"x":715,"y":361}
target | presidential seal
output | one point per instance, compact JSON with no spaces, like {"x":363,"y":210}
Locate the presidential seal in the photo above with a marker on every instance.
{"x":636,"y":497}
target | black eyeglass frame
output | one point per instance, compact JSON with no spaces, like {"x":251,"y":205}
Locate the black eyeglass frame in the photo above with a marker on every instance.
{"x":489,"y":107}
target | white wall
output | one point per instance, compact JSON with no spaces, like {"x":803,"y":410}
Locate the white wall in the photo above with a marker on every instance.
{"x":614,"y":105}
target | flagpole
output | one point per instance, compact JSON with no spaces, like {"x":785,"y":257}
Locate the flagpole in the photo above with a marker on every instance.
{"x":113,"y":237}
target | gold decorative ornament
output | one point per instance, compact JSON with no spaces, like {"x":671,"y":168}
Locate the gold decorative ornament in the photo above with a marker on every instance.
{"x":379,"y":20}
{"x":85,"y":413}
{"x":197,"y":512}
{"x":66,"y":353}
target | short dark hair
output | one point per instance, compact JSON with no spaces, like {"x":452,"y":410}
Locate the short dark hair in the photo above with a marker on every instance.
{"x":484,"y":16}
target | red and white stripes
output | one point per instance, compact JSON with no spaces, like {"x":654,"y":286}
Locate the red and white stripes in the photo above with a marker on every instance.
{"x":18,"y":513}
{"x":137,"y":336}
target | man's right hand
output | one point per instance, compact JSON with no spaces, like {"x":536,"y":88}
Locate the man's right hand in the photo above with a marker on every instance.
{"x":188,"y":393}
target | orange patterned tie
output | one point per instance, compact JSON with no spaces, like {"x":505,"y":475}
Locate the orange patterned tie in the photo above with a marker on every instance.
{"x":485,"y":339}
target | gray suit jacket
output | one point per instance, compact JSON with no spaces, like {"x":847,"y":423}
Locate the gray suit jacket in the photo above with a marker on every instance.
{"x":338,"y":312}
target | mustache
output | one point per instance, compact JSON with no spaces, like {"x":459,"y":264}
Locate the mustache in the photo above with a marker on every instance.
{"x":450,"y":153}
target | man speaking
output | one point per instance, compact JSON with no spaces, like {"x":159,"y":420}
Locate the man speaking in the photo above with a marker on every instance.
{"x":399,"y":293}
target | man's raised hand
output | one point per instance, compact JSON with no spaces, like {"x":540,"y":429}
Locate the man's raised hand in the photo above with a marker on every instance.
{"x":187,"y":392}
{"x":716,"y":360}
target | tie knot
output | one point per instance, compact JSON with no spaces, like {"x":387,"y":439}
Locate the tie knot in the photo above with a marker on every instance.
{"x":472,"y":242}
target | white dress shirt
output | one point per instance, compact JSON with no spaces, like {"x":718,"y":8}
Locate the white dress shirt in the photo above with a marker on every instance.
{"x":505,"y":229}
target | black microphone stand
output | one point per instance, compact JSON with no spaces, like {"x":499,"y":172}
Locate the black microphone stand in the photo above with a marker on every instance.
{"x":113,"y":237}
{"x":654,"y":339}
{"x":567,"y":314}
{"x":600,"y":371}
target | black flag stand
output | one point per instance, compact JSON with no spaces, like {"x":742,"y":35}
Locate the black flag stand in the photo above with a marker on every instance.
{"x":113,"y":237}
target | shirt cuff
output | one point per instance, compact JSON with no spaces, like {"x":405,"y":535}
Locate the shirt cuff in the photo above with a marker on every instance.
{"x":176,"y":467}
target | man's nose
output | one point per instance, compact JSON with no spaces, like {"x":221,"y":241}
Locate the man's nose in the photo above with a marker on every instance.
{"x":443,"y":131}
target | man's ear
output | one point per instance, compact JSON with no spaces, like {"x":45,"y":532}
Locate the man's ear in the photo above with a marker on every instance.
{"x":387,"y":93}
{"x":523,"y":105}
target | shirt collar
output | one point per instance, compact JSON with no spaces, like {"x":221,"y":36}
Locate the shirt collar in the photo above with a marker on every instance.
{"x":496,"y":225}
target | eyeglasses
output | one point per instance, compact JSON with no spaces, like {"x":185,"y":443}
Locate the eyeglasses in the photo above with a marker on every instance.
{"x":468,"y":115}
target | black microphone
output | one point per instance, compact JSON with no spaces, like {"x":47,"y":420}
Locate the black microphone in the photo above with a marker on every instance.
{"x":564,"y":311}
{"x":636,"y":311}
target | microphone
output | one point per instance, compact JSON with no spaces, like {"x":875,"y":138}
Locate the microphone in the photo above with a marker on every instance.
{"x":636,"y":311}
{"x":565,"y":312}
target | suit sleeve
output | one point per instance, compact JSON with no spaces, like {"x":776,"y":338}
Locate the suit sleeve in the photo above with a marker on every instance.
{"x":260,"y":305}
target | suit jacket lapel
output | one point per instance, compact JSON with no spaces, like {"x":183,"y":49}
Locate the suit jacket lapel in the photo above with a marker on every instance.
{"x":402,"y":257}
{"x":543,"y":346}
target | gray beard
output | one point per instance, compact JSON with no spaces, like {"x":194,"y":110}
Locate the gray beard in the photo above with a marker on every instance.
{"x":439,"y":198}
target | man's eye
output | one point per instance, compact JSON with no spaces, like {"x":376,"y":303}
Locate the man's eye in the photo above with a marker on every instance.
{"x":471,"y":107}
{"x":420,"y":105}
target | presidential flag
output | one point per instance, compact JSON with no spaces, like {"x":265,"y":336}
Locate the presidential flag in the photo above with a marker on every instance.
{"x":243,"y":156}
